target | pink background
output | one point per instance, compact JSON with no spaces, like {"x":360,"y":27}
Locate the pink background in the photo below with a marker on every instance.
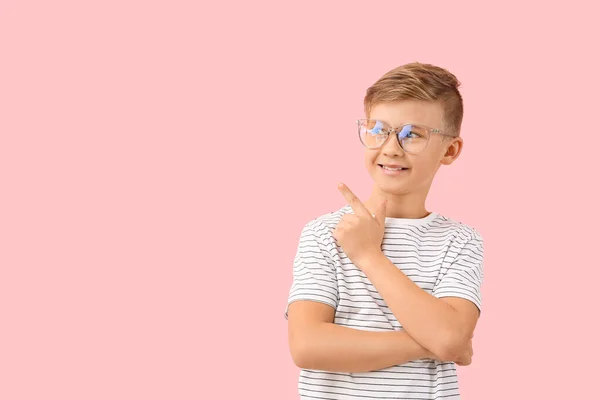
{"x":159,"y":159}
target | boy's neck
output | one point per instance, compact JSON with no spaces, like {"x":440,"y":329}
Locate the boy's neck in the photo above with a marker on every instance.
{"x":399,"y":206}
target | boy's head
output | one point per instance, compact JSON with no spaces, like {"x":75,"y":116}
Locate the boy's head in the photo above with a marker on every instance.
{"x":413,"y":120}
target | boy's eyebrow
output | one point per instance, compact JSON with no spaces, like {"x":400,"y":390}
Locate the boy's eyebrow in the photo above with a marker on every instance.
{"x":381,"y":120}
{"x":402,"y":123}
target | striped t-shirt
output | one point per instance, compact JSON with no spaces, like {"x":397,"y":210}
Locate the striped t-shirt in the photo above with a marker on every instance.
{"x":442,"y":256}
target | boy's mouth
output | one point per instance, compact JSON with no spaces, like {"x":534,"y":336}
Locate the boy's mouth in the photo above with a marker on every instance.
{"x":392,"y":170}
{"x":389,"y":167}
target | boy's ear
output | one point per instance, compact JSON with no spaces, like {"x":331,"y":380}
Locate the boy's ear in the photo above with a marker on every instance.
{"x":453,"y":148}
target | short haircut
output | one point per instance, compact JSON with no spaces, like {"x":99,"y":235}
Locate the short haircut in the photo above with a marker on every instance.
{"x":417,"y":81}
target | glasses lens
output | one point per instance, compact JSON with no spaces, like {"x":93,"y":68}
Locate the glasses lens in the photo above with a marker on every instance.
{"x":414,"y":138}
{"x":372,"y":133}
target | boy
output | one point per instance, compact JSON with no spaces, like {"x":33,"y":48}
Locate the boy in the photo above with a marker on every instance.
{"x":386,"y":294}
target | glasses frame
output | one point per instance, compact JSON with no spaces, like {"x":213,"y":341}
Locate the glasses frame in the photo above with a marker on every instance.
{"x":390,"y":130}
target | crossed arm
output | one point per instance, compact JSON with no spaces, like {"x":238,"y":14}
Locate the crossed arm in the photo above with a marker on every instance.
{"x":433,"y":328}
{"x":444,"y":326}
{"x":317,"y":343}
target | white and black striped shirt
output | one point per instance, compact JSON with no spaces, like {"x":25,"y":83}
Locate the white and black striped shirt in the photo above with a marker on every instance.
{"x":442,"y":256}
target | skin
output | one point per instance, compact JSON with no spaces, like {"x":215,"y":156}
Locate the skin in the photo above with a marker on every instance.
{"x":440,"y":329}
{"x":406,"y":196}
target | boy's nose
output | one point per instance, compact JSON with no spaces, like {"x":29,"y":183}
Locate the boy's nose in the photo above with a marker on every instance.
{"x":392,"y":146}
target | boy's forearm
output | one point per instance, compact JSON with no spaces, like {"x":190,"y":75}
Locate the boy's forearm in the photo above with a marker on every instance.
{"x":335,"y":348}
{"x":428,"y":319}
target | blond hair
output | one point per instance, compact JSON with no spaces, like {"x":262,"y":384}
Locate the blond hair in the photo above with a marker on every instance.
{"x":417,"y":81}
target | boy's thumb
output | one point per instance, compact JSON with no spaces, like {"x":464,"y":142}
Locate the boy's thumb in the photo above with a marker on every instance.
{"x":381,"y":212}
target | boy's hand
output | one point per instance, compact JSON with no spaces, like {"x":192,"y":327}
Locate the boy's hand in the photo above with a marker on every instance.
{"x":463,"y":360}
{"x":466,"y":358}
{"x":360,"y":234}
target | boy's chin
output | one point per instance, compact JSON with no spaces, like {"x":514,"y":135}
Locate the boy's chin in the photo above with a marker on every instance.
{"x":392,"y":187}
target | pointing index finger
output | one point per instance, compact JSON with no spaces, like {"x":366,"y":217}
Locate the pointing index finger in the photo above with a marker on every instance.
{"x":353,"y":201}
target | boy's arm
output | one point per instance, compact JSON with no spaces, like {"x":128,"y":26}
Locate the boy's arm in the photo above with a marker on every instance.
{"x":317,"y":343}
{"x":445,"y":326}
{"x":444,"y":321}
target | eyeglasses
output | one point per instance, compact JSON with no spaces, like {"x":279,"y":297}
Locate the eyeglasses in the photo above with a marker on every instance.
{"x":412,"y":138}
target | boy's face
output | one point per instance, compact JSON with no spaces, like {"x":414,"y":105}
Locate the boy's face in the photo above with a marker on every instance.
{"x":421,"y":166}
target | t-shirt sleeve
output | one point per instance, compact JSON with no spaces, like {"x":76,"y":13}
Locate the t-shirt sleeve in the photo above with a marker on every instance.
{"x":314,"y":273}
{"x":464,"y":276}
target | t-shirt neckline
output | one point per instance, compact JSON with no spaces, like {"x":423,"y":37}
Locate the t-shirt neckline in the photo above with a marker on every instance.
{"x":390,"y":221}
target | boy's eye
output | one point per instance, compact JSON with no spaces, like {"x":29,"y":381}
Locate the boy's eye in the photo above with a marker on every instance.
{"x":377,"y":129}
{"x":410,"y":132}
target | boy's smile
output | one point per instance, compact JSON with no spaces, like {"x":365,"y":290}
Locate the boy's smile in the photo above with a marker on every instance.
{"x":398,"y":175}
{"x":392,"y":169}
